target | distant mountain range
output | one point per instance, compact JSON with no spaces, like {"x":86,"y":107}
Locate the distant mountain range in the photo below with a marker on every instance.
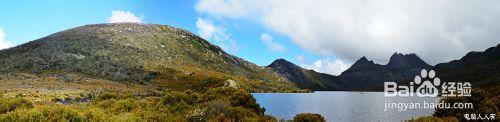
{"x":165,"y":57}
{"x":362,"y":75}
{"x":479,"y":68}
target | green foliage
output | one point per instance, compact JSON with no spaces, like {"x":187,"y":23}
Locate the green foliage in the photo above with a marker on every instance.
{"x":308,"y":117}
{"x":267,"y":118}
{"x":44,"y":113}
{"x":234,"y":97}
{"x":217,"y":104}
{"x":107,"y":95}
{"x":11,"y":104}
{"x":481,"y":104}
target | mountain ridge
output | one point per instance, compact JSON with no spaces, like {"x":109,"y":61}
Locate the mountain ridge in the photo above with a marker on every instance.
{"x":364,"y":74}
{"x":481,"y":68}
{"x":306,"y":79}
{"x":131,"y":52}
{"x":172,"y":58}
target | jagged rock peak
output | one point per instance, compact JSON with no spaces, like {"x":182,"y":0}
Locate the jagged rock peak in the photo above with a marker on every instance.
{"x":399,"y":60}
{"x":362,"y":63}
{"x":363,"y":60}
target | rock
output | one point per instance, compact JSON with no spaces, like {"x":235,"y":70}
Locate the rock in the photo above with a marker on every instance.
{"x":231,"y":83}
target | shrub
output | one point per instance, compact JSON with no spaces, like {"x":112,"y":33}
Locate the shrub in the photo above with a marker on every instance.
{"x":267,"y":118}
{"x":220,"y":110}
{"x":175,"y":97}
{"x":235,"y":97}
{"x":20,"y":103}
{"x":218,"y":104}
{"x":107,"y":95}
{"x":308,"y":117}
{"x":44,"y":113}
{"x":124,"y":105}
{"x":60,"y":112}
{"x":180,"y":108}
{"x":11,"y":104}
{"x":215,"y":108}
{"x":478,"y":99}
{"x":96,"y":114}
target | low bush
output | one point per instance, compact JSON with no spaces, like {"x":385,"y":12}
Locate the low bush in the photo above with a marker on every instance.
{"x":43,"y":113}
{"x":216,"y":104}
{"x":11,"y":104}
{"x":308,"y":117}
{"x":481,"y":105}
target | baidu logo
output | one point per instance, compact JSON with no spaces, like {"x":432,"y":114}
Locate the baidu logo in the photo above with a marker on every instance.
{"x":427,"y":88}
{"x":427,"y":85}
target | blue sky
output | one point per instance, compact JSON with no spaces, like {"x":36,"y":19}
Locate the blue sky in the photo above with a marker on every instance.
{"x":324,"y":35}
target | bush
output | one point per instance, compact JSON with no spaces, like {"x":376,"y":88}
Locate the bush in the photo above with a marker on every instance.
{"x":107,"y":95}
{"x":267,"y":118}
{"x":235,"y":97}
{"x":218,"y":104}
{"x":96,"y":114}
{"x":478,"y":99}
{"x":123,"y":106}
{"x":11,"y":104}
{"x":44,"y":113}
{"x":308,"y":117}
{"x":175,"y":97}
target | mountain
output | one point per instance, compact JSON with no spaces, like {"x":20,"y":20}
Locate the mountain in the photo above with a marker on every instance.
{"x":160,"y":56}
{"x":362,"y":75}
{"x":479,"y":68}
{"x":482,"y":69}
{"x":398,"y":61}
{"x":367,"y":75}
{"x":363,"y":64}
{"x":163,"y":57}
{"x":307,"y":79}
{"x":406,"y":65}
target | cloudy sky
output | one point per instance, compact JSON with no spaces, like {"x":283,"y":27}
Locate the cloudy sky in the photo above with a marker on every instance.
{"x":324,"y":35}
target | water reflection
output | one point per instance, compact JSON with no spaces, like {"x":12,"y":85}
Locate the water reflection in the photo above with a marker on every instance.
{"x":341,"y":106}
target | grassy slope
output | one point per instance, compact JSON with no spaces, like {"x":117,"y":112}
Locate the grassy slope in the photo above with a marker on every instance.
{"x":126,"y":72}
{"x":156,"y":55}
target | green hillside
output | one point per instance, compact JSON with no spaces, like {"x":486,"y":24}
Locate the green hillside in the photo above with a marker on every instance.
{"x":160,"y":56}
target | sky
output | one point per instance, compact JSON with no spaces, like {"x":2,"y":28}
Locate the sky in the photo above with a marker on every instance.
{"x":324,"y":35}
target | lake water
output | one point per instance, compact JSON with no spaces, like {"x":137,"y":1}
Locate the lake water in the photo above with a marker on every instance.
{"x":342,"y":106}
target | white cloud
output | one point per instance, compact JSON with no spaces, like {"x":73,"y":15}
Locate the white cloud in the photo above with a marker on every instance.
{"x":326,"y":65}
{"x":271,"y":44}
{"x":123,"y":16}
{"x":3,"y":43}
{"x":300,"y":58}
{"x":231,"y":8}
{"x":438,"y":31}
{"x":215,"y":33}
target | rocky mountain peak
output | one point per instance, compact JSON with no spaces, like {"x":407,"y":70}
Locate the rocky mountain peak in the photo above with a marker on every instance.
{"x":362,"y":63}
{"x":399,"y":60}
{"x":362,"y":59}
{"x":303,"y":78}
{"x":284,"y":65}
{"x":281,"y":61}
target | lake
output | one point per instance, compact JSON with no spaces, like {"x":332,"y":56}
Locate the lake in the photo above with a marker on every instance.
{"x":342,"y":105}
